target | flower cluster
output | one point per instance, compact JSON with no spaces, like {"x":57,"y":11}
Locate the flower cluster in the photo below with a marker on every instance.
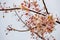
{"x":41,"y":24}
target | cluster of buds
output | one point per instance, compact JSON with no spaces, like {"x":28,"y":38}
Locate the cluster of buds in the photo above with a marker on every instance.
{"x":41,"y":24}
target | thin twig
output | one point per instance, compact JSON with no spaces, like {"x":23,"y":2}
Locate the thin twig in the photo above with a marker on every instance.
{"x":12,"y":29}
{"x":22,"y":30}
{"x":8,"y":9}
{"x":20,"y":18}
{"x":37,"y":12}
{"x":45,"y":6}
{"x":39,"y":36}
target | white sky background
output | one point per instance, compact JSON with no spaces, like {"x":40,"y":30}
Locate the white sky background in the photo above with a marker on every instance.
{"x":53,"y":7}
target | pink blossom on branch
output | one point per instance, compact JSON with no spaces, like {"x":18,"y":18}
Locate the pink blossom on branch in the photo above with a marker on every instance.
{"x":39,"y":23}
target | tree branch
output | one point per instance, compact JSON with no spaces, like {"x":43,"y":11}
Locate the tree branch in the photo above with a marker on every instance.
{"x":39,"y":36}
{"x":20,"y":17}
{"x":10,"y":9}
{"x":19,"y":9}
{"x":45,"y":6}
{"x":12,"y":29}
{"x":58,"y":22}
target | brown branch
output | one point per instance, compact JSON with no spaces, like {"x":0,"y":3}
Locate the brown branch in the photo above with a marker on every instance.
{"x":19,"y":9}
{"x":45,"y":6}
{"x":22,"y":30}
{"x":20,"y":17}
{"x":12,"y":29}
{"x":58,"y":22}
{"x":10,"y":9}
{"x":39,"y":36}
{"x":37,"y":12}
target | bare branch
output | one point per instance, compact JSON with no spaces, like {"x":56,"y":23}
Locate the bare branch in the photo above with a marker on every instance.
{"x":39,"y":36}
{"x":19,"y":9}
{"x":22,"y":30}
{"x":10,"y":9}
{"x":12,"y":29}
{"x":45,"y":6}
{"x":20,"y":17}
{"x":58,"y":22}
{"x":37,"y":12}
